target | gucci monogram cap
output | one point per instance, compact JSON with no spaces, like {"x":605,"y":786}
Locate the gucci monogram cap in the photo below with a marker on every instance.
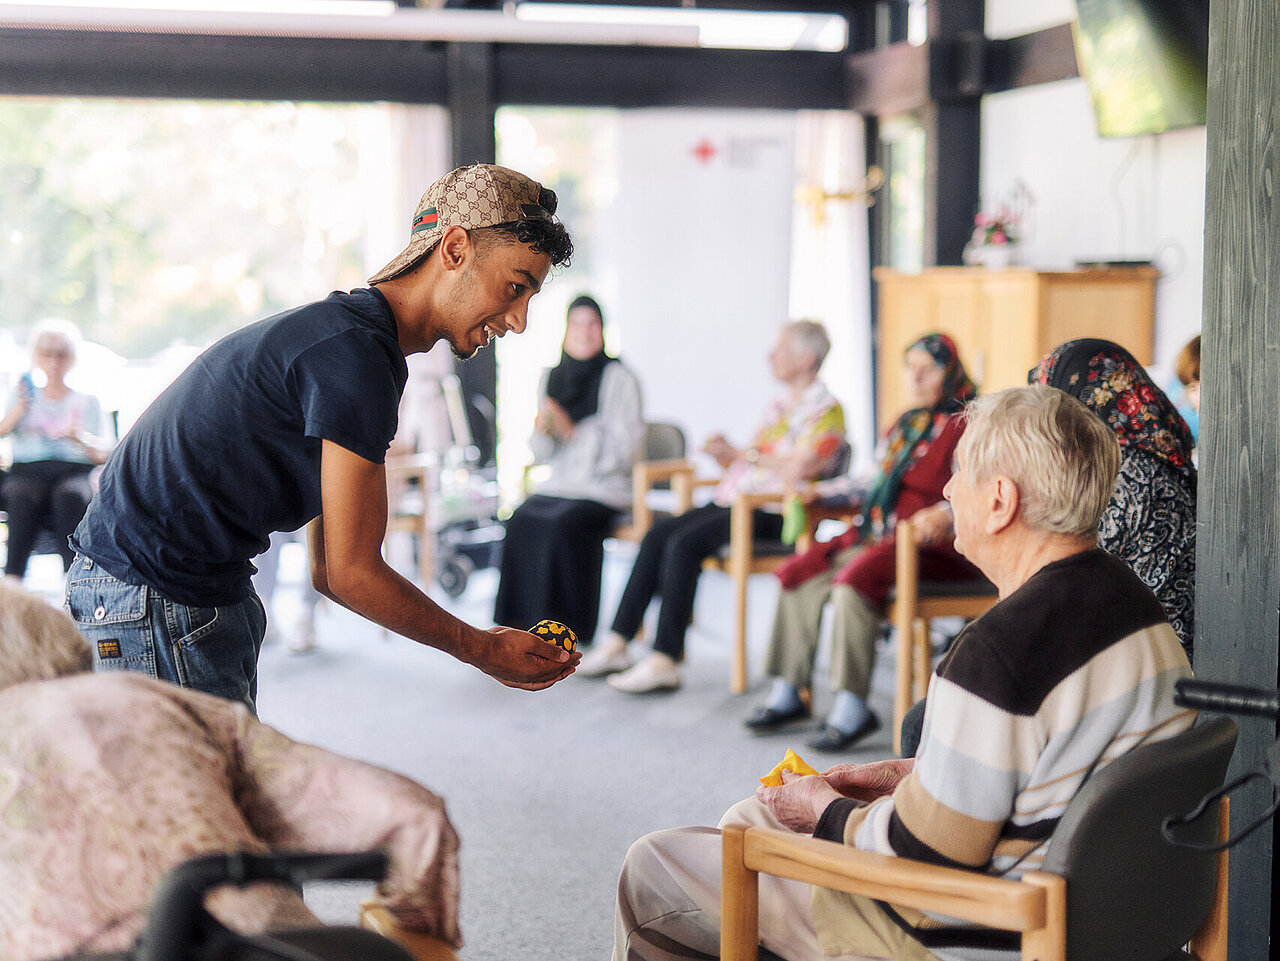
{"x":481,"y":195}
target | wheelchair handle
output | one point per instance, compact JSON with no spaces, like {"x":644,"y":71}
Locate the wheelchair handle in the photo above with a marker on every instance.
{"x":1227,"y":698}
{"x":177,"y":919}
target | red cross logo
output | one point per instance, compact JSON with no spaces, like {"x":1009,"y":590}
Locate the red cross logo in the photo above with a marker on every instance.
{"x":705,"y":150}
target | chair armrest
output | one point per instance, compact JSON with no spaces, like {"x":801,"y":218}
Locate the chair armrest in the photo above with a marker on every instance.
{"x":677,"y":472}
{"x":1020,"y":905}
{"x":424,"y":947}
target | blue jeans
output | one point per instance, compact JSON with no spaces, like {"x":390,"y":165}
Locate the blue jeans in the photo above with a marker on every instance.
{"x":130,"y":628}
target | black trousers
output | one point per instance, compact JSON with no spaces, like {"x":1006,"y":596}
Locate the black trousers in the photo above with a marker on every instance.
{"x":551,"y":558}
{"x":668,"y":565}
{"x":39,"y":494}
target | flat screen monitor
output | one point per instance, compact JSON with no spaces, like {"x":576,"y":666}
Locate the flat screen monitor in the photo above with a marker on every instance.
{"x":1145,"y":62}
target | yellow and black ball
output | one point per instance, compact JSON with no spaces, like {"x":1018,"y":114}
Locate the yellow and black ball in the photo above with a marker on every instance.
{"x":553,"y":632}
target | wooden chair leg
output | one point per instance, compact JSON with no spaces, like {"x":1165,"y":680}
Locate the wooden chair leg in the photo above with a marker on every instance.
{"x":739,"y":900}
{"x":923,"y":665}
{"x":905,"y":631}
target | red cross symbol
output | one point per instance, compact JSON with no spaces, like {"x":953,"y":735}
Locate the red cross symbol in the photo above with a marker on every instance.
{"x":705,"y":150}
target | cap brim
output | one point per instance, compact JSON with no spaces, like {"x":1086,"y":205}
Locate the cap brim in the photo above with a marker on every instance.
{"x":407,"y":259}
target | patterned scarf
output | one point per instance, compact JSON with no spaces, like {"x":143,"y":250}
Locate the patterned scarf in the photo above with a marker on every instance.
{"x":910,"y":436}
{"x":1105,"y":378}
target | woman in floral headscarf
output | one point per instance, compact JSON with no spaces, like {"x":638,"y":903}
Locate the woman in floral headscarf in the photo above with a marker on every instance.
{"x":1150,"y":523}
{"x":856,"y":569}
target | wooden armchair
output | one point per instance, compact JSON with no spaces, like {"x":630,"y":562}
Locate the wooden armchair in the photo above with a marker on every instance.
{"x":423,"y":947}
{"x":1110,"y":887}
{"x":912,"y":605}
{"x":408,"y":484}
{"x":663,"y":468}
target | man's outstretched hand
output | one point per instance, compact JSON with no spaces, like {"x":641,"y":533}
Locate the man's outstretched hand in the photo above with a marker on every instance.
{"x":521,"y":660}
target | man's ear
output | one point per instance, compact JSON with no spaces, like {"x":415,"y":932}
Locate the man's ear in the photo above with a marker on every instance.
{"x":1004,"y":499}
{"x":455,"y":247}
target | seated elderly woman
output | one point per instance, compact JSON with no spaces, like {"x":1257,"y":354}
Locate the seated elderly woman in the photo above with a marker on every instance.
{"x":58,"y":439}
{"x":1075,"y":665}
{"x":588,"y":430}
{"x":107,"y":781}
{"x":1150,"y":521}
{"x":856,"y":568}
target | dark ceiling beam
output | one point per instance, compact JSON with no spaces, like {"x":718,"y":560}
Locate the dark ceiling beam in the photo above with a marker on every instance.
{"x":902,"y":77}
{"x":889,"y":80}
{"x":157,"y":65}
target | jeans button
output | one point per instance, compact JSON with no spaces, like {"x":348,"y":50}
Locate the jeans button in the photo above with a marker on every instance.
{"x":99,"y":612}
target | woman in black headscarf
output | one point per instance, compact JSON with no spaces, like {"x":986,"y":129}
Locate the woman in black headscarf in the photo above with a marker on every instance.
{"x":1150,"y":522}
{"x":588,"y":430}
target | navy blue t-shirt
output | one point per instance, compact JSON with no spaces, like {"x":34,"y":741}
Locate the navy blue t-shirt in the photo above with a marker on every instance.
{"x":230,"y":452}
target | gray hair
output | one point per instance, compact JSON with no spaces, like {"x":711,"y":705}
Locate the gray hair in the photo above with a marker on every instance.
{"x":811,"y":336}
{"x":37,"y":641}
{"x":1061,"y":455}
{"x":54,"y":328}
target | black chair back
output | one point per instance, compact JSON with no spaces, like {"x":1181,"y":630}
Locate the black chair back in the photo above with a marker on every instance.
{"x":1131,"y":894}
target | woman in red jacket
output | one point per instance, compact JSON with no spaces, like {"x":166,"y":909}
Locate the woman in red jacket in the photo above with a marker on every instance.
{"x":855,"y":570}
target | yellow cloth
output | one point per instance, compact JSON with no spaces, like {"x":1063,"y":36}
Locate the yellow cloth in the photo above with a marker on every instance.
{"x":792,"y":762}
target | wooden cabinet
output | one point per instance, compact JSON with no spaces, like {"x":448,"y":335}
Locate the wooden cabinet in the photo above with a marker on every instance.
{"x":1003,"y":321}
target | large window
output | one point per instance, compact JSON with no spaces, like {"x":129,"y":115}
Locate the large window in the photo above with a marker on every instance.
{"x":158,"y":226}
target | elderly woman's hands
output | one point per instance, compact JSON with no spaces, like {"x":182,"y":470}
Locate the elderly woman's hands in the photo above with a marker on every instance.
{"x":933,"y":524}
{"x":800,"y":801}
{"x":866,"y":782}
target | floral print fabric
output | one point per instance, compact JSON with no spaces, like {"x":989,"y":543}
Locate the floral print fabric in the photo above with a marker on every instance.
{"x":109,"y":780}
{"x":1150,"y":520}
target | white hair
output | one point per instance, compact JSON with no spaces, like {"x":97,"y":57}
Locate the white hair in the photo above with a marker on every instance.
{"x":810,"y":336}
{"x":1061,"y":455}
{"x":54,"y":328}
{"x":37,"y":641}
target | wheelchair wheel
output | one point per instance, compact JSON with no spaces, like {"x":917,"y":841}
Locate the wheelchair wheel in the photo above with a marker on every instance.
{"x":453,"y":573}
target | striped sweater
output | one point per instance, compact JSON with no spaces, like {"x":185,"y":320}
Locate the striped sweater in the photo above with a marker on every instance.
{"x":1070,"y":671}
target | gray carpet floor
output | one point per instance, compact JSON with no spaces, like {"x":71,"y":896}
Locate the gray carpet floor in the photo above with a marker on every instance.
{"x":547,"y":790}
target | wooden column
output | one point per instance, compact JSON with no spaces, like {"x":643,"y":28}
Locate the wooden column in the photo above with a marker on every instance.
{"x":472,"y":113}
{"x":1238,"y":527}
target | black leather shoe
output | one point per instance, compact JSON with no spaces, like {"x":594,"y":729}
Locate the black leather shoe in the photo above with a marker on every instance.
{"x":833,"y":739}
{"x":764,"y":719}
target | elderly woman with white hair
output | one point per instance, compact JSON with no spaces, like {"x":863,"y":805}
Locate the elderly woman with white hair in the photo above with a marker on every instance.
{"x":108,"y":781}
{"x":58,"y":439}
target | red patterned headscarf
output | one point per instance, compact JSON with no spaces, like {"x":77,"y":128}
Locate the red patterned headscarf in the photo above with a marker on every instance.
{"x":1105,"y":378}
{"x":910,"y":436}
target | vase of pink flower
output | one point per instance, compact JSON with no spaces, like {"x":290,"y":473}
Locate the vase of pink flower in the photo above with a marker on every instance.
{"x":995,"y":239}
{"x":997,"y":233}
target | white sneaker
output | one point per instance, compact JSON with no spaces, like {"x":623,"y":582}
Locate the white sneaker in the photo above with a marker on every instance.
{"x":603,"y":659}
{"x":654,"y":673}
{"x":303,"y":638}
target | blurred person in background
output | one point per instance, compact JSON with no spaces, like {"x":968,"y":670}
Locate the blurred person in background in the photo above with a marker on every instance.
{"x":1187,"y":369}
{"x":856,"y":569}
{"x":1150,"y":521}
{"x":799,"y":439}
{"x":59,"y":437}
{"x":588,"y":431}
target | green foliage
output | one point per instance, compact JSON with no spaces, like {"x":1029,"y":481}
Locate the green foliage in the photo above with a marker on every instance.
{"x":154,"y":222}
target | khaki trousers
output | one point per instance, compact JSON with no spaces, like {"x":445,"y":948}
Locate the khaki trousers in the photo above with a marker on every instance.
{"x":797,"y":629}
{"x":668,"y":906}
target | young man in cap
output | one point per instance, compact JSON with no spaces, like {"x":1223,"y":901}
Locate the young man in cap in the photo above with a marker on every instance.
{"x":288,"y":421}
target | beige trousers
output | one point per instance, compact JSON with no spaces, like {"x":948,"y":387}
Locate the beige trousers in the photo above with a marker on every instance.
{"x":668,"y":906}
